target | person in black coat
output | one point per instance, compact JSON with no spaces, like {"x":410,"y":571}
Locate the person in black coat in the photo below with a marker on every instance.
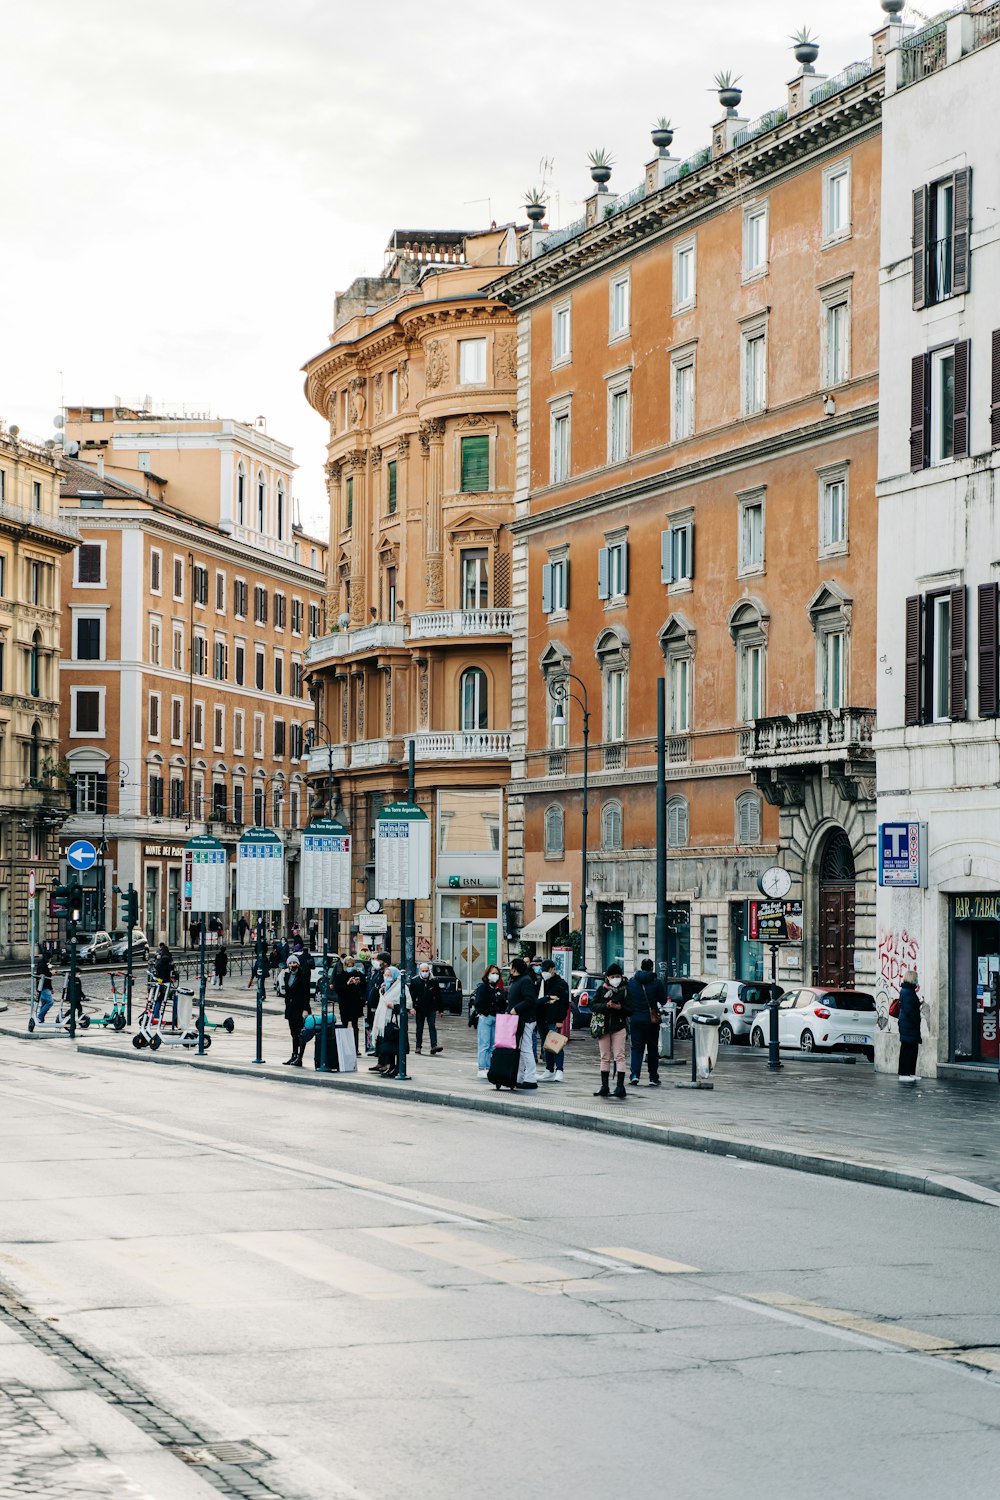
{"x":221,"y":963}
{"x":425,"y":993}
{"x":553,"y":1003}
{"x":296,"y":1006}
{"x":490,"y":1001}
{"x":612,"y":1004}
{"x":647,"y":994}
{"x":376,"y":979}
{"x":909,"y":1027}
{"x":522,"y":999}
{"x":352,"y":988}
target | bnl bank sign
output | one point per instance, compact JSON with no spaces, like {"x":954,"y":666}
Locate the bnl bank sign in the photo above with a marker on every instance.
{"x":902,"y":855}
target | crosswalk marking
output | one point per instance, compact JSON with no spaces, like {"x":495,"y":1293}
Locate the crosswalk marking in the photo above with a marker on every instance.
{"x":319,"y":1262}
{"x":474,"y":1255}
{"x":890,"y":1333}
{"x":647,"y":1261}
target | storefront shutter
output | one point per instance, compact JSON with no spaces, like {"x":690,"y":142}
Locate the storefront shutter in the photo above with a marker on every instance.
{"x":960,"y":260}
{"x":475,"y":463}
{"x":995,"y":390}
{"x":960,"y":425}
{"x":956,"y":687}
{"x":989,"y":650}
{"x":920,"y":247}
{"x":918,"y":413}
{"x":911,"y":690}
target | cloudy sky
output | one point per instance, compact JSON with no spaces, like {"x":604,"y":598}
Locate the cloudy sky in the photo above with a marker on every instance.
{"x":187,"y":184}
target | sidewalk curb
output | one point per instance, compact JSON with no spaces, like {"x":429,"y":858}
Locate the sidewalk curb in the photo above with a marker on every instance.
{"x":937,"y":1185}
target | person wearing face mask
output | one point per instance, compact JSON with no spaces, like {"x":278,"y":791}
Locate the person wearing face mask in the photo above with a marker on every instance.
{"x":539,"y":1032}
{"x":611,"y":1008}
{"x":553,"y":1003}
{"x":351,"y":987}
{"x":425,"y":992}
{"x":385,"y":1024}
{"x":375,"y":978}
{"x":490,"y":1001}
{"x":523,"y":1001}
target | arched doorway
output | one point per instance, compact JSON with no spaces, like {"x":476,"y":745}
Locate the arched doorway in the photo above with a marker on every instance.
{"x":836,"y":910}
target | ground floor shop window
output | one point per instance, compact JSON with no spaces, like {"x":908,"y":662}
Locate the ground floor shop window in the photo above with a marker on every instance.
{"x":975,"y":965}
{"x":468,"y":935}
{"x":748,"y":956}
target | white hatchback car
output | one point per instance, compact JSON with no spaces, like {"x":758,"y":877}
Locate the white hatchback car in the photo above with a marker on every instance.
{"x":823,"y":1019}
{"x":734,"y":1002}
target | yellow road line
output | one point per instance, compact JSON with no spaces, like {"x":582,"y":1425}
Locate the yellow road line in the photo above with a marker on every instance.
{"x":890,"y":1333}
{"x":641,"y":1258}
{"x":474,"y":1255}
{"x":318,"y":1262}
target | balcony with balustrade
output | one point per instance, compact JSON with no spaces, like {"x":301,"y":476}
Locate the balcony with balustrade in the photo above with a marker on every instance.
{"x":368,"y":640}
{"x":462,"y":744}
{"x":784,"y":749}
{"x":459,"y":624}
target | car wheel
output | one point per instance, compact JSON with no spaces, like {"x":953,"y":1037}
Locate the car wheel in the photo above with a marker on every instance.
{"x":682,"y":1031}
{"x":870,"y":1054}
{"x":807,"y":1042}
{"x":726,"y":1036}
{"x":757,"y":1038}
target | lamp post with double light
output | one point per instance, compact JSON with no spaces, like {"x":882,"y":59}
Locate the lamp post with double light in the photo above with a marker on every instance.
{"x":561,"y":692}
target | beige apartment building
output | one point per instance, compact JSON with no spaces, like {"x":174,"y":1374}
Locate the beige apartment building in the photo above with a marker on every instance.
{"x":418,"y":385}
{"x":34,"y":541}
{"x":188,"y":609}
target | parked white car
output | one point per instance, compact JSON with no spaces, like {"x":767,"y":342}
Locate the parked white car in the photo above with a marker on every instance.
{"x":735,"y":1003}
{"x":823,"y":1019}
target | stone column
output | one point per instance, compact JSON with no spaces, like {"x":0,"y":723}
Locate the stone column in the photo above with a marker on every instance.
{"x":358,"y":462}
{"x":432,"y":454}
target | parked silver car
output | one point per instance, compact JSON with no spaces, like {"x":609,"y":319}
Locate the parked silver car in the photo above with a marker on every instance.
{"x":734,"y":1002}
{"x":140,"y":944}
{"x":92,"y":947}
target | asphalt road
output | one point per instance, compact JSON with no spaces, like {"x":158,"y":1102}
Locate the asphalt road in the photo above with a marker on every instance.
{"x":396,"y":1301}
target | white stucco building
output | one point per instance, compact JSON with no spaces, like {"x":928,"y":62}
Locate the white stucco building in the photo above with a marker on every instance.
{"x":938,"y":739}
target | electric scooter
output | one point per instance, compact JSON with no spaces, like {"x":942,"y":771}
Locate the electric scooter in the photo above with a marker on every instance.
{"x":152,"y":1029}
{"x":115,"y":1017}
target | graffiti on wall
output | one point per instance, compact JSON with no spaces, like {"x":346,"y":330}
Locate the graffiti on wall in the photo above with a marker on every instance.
{"x":897,"y":952}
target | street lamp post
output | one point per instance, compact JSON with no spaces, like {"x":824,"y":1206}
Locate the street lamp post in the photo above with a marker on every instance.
{"x":560,"y":693}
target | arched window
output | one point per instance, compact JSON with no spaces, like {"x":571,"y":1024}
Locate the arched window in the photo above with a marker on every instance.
{"x":555,"y":837}
{"x":241,"y":495}
{"x":35,"y":666}
{"x":474,"y":699}
{"x":612,"y":651}
{"x":677,"y":823}
{"x":837,"y":864}
{"x":280,"y":493}
{"x":611,"y":825}
{"x":748,"y":818}
{"x":261,"y":500}
{"x":34,"y":751}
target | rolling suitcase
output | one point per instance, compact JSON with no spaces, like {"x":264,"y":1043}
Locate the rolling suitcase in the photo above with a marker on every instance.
{"x":503,"y":1067}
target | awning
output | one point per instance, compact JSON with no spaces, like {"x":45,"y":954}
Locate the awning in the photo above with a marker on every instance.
{"x":539,"y":929}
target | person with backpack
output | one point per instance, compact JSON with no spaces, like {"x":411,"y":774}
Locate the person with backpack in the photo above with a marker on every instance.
{"x":647,"y":994}
{"x":909,"y":1027}
{"x":490,"y":1001}
{"x":610,"y":1010}
{"x":553,"y":1003}
{"x":522,"y":999}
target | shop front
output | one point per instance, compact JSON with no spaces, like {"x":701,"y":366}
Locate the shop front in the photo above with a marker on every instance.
{"x":975,"y":978}
{"x":468,"y":879}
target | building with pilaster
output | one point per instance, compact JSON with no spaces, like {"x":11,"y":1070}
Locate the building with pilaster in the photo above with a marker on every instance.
{"x":418,"y":386}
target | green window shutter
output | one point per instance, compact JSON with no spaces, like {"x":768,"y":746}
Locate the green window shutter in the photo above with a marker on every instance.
{"x":391,"y":498}
{"x":475,"y":463}
{"x":350,"y":503}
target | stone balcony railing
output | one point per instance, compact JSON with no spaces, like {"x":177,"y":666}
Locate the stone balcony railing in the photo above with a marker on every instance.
{"x":463,"y":744}
{"x":319,"y":760}
{"x":444,"y":623}
{"x":373,"y":753}
{"x":821,"y":735}
{"x":352,"y":642}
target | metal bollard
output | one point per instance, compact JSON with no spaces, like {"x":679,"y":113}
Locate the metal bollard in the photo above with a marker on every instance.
{"x":773,"y":1058}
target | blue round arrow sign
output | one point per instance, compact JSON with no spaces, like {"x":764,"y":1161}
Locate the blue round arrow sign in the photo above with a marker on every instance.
{"x":81,"y":855}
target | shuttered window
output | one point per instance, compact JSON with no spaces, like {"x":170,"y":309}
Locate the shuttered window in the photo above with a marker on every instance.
{"x":988,"y":650}
{"x":677,"y":823}
{"x":919,"y":243}
{"x":935,"y":687}
{"x":918,"y":413}
{"x":748,"y":829}
{"x":995,"y":390}
{"x":391,"y":487}
{"x":475,"y":464}
{"x":941,"y":221}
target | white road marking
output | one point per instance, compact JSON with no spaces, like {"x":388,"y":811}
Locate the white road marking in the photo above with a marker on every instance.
{"x":318,"y":1262}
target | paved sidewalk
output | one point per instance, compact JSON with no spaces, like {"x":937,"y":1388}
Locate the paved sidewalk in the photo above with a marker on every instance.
{"x":943,"y":1136}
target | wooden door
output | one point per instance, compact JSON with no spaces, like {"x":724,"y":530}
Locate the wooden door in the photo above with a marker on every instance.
{"x":836,"y":934}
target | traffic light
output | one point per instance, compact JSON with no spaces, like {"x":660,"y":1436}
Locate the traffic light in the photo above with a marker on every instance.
{"x":131,"y":908}
{"x":58,"y":906}
{"x":74,"y":901}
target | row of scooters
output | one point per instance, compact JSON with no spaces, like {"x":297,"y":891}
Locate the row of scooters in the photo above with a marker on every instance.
{"x":167,"y":1017}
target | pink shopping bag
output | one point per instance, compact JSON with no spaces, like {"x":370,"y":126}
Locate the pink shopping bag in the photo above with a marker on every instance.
{"x":506,"y":1032}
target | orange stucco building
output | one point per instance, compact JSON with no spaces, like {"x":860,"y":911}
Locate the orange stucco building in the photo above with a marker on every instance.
{"x":697,"y":455}
{"x":418,"y":385}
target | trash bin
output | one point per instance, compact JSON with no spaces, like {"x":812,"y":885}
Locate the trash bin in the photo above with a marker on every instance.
{"x":705,"y":1041}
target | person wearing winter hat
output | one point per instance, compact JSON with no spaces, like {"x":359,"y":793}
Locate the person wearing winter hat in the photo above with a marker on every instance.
{"x":611,"y":1008}
{"x":909,"y":1027}
{"x":296,"y":992}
